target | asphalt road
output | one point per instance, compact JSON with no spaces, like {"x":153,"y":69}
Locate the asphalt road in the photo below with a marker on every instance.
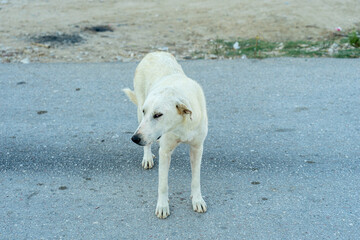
{"x":281,"y":160}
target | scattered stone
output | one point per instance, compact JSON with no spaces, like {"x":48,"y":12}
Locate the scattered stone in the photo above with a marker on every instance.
{"x":119,"y":58}
{"x":211,"y":56}
{"x":312,"y":49}
{"x":280,"y":47}
{"x":25,"y":61}
{"x":163,"y":49}
{"x":236,"y":46}
{"x":333,"y":49}
{"x":303,"y":45}
{"x":127,"y":59}
{"x":41,"y":45}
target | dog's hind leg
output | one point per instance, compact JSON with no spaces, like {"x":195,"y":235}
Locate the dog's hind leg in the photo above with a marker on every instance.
{"x":198,"y":202}
{"x":148,"y":161}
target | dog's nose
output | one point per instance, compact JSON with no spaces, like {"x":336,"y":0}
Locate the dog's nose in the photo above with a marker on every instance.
{"x":136,"y":138}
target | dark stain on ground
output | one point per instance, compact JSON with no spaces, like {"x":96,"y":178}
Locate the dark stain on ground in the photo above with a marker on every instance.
{"x":63,"y":188}
{"x":229,"y":192}
{"x":300,"y":109}
{"x":284,"y":130}
{"x":41,"y":112}
{"x":99,"y":28}
{"x":264,"y":198}
{"x":309,"y":161}
{"x":255,"y":183}
{"x":58,"y":39}
{"x":32,"y":195}
{"x":77,"y":89}
{"x":21,"y":83}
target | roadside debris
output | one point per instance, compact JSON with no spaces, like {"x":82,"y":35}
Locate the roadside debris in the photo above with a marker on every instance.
{"x":236,"y":46}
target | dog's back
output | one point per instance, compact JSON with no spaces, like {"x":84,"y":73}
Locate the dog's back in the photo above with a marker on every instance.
{"x":153,"y":67}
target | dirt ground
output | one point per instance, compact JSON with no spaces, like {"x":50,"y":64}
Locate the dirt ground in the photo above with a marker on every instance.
{"x":60,"y":31}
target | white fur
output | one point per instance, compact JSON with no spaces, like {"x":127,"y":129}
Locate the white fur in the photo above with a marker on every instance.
{"x":161,"y":87}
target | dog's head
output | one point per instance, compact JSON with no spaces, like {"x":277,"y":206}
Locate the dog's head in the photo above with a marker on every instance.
{"x":160,"y":115}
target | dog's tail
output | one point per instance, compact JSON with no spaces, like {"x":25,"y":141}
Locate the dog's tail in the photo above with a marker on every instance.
{"x":131,"y":95}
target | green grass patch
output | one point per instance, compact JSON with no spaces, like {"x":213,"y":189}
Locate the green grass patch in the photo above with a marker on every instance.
{"x":340,"y":46}
{"x":354,"y":39}
{"x":253,"y":48}
{"x":350,"y":53}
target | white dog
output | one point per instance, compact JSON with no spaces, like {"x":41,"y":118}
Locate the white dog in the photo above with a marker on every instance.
{"x":171,"y":108}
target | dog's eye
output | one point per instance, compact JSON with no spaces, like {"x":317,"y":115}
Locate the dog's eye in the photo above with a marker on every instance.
{"x":144,"y":112}
{"x":157,"y":115}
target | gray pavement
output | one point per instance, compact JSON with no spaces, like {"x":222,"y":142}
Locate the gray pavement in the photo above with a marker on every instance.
{"x":281,"y":160}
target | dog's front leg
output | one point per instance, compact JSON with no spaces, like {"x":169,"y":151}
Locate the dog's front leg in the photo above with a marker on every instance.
{"x":162,"y":207}
{"x":165,"y":151}
{"x":198,"y":202}
{"x":148,"y":161}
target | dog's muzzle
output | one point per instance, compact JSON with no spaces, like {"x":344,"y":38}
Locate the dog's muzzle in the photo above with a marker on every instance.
{"x":136,"y":138}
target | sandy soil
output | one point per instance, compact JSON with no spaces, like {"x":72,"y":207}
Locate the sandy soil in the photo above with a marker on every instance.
{"x":181,"y":27}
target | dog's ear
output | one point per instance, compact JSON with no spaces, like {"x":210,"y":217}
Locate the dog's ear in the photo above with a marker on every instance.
{"x":183,"y":109}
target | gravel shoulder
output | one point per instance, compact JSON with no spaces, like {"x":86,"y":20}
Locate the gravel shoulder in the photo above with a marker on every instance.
{"x":183,"y":28}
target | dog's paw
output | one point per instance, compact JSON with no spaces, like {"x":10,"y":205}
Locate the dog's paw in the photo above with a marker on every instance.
{"x":199,"y":205}
{"x":162,"y":210}
{"x":148,"y":163}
